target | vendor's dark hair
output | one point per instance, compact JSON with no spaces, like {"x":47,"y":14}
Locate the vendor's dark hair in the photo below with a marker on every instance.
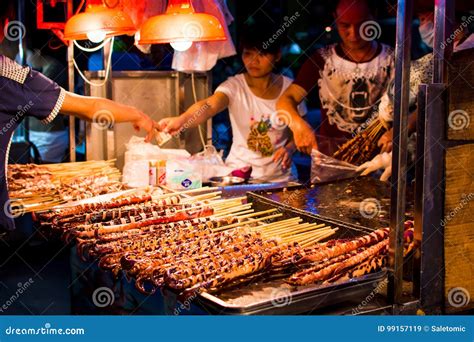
{"x":262,"y":37}
{"x":7,"y":11}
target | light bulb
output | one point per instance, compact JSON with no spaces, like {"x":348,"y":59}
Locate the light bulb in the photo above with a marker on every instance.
{"x":181,"y":46}
{"x":97,"y":36}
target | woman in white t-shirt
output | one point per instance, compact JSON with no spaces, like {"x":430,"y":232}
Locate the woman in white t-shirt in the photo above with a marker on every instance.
{"x":261,"y":137}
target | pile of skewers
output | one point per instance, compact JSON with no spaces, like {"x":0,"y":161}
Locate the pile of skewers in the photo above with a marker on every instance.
{"x":363,"y":147}
{"x":206,"y":243}
{"x":39,"y":187}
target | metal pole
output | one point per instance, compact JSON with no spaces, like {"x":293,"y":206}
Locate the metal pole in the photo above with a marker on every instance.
{"x":72,"y":122}
{"x":400,"y":139}
{"x":22,"y":59}
{"x":444,"y":17}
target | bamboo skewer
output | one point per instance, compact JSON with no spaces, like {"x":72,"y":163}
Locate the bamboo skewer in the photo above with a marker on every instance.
{"x":274,"y":226}
{"x":246,"y":222}
{"x":258,"y":213}
{"x":319,"y":238}
{"x":303,"y":229}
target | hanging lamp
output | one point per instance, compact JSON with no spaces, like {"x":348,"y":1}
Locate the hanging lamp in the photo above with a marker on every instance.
{"x":98,"y":22}
{"x":180,"y":26}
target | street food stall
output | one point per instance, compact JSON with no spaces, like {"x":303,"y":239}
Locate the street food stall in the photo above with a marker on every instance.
{"x":157,"y":230}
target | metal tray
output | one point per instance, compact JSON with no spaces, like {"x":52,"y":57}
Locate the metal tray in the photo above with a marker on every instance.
{"x":278,"y":298}
{"x":261,"y":201}
{"x":274,"y":296}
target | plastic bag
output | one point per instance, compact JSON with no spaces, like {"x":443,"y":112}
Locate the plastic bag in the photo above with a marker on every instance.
{"x":328,"y":169}
{"x":210,"y":163}
{"x":138,"y":149}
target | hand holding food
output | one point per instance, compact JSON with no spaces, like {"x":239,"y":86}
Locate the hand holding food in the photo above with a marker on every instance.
{"x":172,"y":126}
{"x":146,"y":123}
{"x":381,"y":161}
{"x":304,"y":137}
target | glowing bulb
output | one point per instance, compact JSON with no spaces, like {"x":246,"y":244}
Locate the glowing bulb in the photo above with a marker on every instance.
{"x":181,"y":46}
{"x":97,"y":36}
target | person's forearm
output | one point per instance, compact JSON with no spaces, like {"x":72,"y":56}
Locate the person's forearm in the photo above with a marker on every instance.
{"x":197,"y":114}
{"x":286,"y":104}
{"x":89,"y":108}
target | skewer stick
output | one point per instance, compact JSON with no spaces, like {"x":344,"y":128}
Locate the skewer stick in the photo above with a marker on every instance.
{"x":274,"y":225}
{"x":234,"y":214}
{"x":242,"y":214}
{"x":287,"y":229}
{"x":201,"y":197}
{"x":317,"y":239}
{"x":180,"y":193}
{"x":311,"y":228}
{"x":235,"y":209}
{"x":258,"y":213}
{"x":308,"y":235}
{"x":246,"y":222}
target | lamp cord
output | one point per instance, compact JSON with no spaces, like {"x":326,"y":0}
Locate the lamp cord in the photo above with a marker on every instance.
{"x":107,"y":67}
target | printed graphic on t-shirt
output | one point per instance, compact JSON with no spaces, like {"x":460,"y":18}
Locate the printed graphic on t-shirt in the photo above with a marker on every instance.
{"x":258,"y":139}
{"x":351,"y":92}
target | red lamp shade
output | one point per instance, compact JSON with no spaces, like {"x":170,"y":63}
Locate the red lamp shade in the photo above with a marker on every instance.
{"x":98,"y":19}
{"x":181,"y":23}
